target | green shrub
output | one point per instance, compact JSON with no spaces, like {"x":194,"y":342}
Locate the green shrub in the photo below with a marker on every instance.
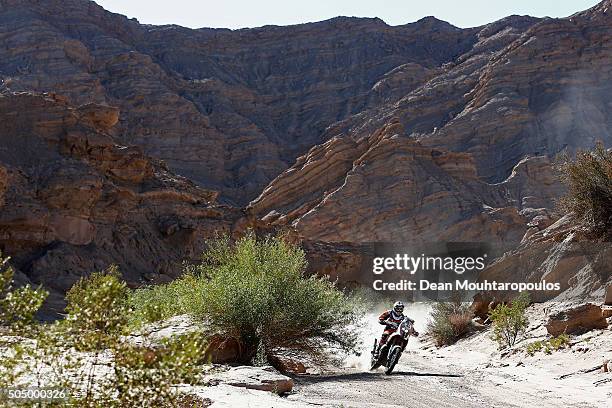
{"x":534,"y":347}
{"x":18,"y":306}
{"x":97,"y":308}
{"x":98,"y":316}
{"x":145,"y":374}
{"x":87,"y":354}
{"x":510,"y":321}
{"x":255,"y":291}
{"x":589,"y":196}
{"x":158,"y":302}
{"x":449,"y":322}
{"x":560,"y":342}
{"x":83,"y":287}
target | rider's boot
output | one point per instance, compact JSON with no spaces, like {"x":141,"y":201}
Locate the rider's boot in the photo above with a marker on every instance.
{"x":380,"y":349}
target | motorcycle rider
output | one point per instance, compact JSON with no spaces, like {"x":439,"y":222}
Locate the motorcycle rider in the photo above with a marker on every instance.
{"x":391,"y":320}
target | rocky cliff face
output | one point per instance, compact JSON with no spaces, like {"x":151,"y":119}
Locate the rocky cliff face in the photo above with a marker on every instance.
{"x":563,"y":253}
{"x":348,"y":130}
{"x":228,"y":109}
{"x":74,"y":201}
{"x":450,"y":159}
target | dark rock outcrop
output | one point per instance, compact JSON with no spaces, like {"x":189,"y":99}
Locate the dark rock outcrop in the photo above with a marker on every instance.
{"x":74,"y":201}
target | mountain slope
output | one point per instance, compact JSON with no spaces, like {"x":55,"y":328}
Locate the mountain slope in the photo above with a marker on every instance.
{"x":228,"y":109}
{"x":73,"y":201}
{"x":348,"y":131}
{"x":524,"y":90}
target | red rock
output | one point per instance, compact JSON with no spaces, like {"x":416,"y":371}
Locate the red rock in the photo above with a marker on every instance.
{"x":287,"y":365}
{"x":578,"y":319}
{"x":221,"y":350}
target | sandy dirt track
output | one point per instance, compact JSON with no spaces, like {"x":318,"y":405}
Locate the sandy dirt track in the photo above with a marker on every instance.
{"x":412,"y":385}
{"x":471,"y":373}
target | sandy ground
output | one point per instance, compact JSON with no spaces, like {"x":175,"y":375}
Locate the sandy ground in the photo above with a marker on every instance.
{"x":472,"y":373}
{"x":410,"y":386}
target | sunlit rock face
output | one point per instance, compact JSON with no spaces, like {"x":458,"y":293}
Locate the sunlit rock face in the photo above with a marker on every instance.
{"x":467,"y":155}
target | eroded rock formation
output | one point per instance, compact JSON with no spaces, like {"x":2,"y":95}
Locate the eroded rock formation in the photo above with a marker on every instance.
{"x":347,"y":131}
{"x":75,"y":201}
{"x":466,"y":155}
{"x":228,"y":109}
{"x":563,"y":253}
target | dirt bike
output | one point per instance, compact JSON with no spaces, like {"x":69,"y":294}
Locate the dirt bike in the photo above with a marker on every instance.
{"x":390,"y":352}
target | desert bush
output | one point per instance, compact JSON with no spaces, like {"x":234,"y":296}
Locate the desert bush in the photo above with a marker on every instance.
{"x":82,"y":289}
{"x":553,"y":344}
{"x":158,"y":302}
{"x":18,"y":306}
{"x":560,"y":342}
{"x":97,"y":309}
{"x":88,"y":355}
{"x":510,"y":320}
{"x":98,"y":315}
{"x":589,"y":196}
{"x":145,"y":374}
{"x":534,"y":347}
{"x":449,"y":322}
{"x":256,"y":291}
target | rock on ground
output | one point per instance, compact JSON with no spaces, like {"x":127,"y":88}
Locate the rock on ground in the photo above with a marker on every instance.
{"x":253,"y":378}
{"x":578,"y":319}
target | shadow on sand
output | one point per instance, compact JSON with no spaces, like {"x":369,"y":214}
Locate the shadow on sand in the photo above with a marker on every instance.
{"x":364,"y":376}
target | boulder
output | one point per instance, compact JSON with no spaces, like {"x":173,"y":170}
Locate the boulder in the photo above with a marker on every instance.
{"x":288,"y":365}
{"x":578,"y":319}
{"x":254,"y":378}
{"x":100,"y":116}
{"x":73,"y":230}
{"x":481,"y":304}
{"x":222,"y":350}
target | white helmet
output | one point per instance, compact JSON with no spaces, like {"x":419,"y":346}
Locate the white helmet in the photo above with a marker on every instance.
{"x":398,"y":307}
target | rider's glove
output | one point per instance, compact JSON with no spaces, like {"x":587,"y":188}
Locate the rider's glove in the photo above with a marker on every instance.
{"x":416,"y":333}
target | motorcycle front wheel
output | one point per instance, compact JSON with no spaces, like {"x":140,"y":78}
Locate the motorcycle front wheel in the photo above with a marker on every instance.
{"x":393,"y":359}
